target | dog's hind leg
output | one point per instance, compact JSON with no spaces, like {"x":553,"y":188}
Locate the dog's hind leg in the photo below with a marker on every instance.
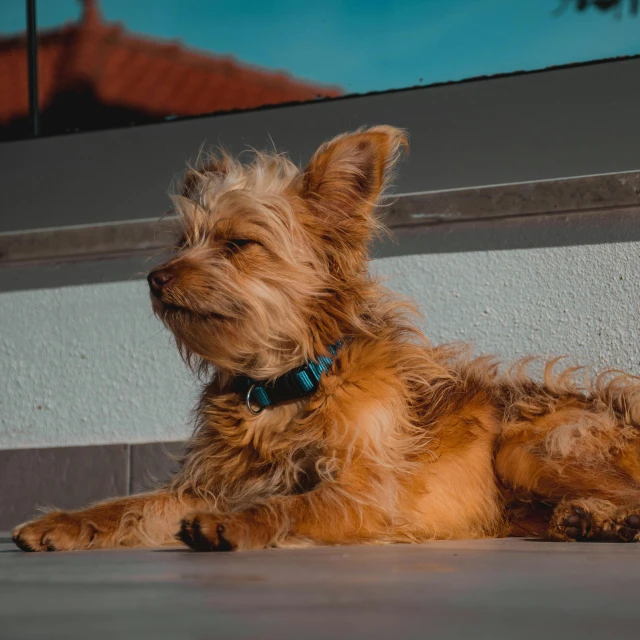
{"x":581,"y":456}
{"x":594,"y":520}
{"x":144,"y":520}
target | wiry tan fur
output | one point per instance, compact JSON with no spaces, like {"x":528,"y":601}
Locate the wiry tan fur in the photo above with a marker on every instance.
{"x":403,"y":441}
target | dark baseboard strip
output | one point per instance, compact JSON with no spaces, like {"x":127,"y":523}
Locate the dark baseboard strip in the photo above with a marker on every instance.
{"x":73,"y":477}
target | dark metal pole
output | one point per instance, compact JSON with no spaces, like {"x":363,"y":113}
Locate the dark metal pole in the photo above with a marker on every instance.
{"x":32,"y":48}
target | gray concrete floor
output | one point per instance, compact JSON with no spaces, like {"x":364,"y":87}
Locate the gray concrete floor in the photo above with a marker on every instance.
{"x":480,"y":589}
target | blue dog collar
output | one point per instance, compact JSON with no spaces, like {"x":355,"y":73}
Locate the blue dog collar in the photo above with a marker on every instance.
{"x":294,"y":384}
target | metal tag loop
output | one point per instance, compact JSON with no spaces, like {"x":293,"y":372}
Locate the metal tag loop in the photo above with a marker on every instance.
{"x":247,"y":401}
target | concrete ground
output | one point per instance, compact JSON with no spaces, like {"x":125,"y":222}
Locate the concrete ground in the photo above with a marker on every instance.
{"x":480,"y":589}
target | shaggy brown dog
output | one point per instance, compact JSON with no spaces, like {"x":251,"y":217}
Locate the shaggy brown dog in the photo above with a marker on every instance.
{"x":400,"y":441}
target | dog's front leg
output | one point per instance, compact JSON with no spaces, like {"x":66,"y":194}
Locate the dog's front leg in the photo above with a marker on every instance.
{"x":323,"y":516}
{"x":145,"y":520}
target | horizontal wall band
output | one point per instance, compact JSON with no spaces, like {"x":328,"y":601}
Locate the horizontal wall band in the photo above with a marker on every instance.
{"x":81,"y":244}
{"x":550,"y":124}
{"x":600,"y":196}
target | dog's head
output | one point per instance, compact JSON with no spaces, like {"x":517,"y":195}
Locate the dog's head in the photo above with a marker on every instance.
{"x":270,"y":267}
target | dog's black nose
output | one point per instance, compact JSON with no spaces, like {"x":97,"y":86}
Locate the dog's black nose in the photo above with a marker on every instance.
{"x":158,"y":279}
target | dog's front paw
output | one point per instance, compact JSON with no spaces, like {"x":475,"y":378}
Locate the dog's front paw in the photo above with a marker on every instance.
{"x":56,"y":531}
{"x":204,"y":531}
{"x":209,"y":532}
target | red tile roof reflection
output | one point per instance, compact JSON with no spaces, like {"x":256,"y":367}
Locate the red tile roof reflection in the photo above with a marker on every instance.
{"x":125,"y":70}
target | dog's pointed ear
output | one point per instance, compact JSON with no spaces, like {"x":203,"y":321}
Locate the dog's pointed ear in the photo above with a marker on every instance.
{"x":347,"y":174}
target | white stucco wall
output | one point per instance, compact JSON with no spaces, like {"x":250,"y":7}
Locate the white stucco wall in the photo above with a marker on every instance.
{"x":91,"y":365}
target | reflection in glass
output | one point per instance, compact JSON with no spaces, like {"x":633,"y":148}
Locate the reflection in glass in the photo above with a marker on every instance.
{"x":97,"y":74}
{"x":114,"y":63}
{"x":14,"y":80}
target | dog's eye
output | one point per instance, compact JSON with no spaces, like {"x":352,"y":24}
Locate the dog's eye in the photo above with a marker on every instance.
{"x":236,"y":244}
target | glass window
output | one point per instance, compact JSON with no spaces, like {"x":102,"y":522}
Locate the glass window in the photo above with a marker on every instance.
{"x":14,"y":78}
{"x":112,"y":63}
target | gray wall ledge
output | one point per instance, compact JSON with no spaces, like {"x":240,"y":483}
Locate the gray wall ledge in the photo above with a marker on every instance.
{"x":585,"y":210}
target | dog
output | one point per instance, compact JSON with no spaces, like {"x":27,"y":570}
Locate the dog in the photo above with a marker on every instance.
{"x":328,"y":417}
